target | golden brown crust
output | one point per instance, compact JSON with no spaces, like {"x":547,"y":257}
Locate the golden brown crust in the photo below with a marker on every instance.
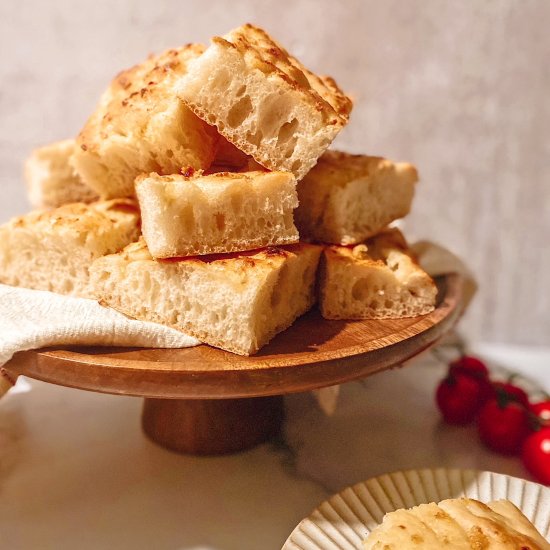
{"x":140,"y":125}
{"x":138,"y":251}
{"x":460,"y":523}
{"x":374,"y":250}
{"x":78,"y":217}
{"x":264,"y":53}
{"x":349,"y":166}
{"x":134,"y":95}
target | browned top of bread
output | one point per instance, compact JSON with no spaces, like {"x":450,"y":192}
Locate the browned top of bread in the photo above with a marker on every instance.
{"x":374,"y":251}
{"x":234,"y":261}
{"x":461,"y":523}
{"x":345,"y":167}
{"x":264,"y":53}
{"x":137,"y":94}
{"x":79,"y":218}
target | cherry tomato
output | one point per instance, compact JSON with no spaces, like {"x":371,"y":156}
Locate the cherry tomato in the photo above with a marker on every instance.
{"x":503,"y":426}
{"x":511,"y":392}
{"x":536,"y":455}
{"x":459,"y":398}
{"x":542,"y":411}
{"x":469,"y":365}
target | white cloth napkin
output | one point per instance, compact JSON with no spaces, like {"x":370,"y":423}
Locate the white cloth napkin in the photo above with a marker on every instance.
{"x":31,"y":319}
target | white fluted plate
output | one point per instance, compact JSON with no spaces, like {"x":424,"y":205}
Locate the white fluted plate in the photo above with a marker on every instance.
{"x":343,"y":521}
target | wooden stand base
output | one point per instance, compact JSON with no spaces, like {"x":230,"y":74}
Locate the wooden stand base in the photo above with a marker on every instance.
{"x":212,"y":426}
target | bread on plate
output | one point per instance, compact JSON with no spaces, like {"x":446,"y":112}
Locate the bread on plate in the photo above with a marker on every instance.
{"x":223,"y":212}
{"x":53,"y":250}
{"x":347,"y":198}
{"x":379,"y":279}
{"x":461,"y":524}
{"x":141,"y":126}
{"x":235,"y":302}
{"x":264,"y":101}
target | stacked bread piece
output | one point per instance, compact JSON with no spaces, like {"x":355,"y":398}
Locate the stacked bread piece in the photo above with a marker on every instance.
{"x":367,"y":270}
{"x":203,"y":197}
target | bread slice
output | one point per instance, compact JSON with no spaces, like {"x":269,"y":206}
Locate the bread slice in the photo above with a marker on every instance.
{"x":265,"y":101}
{"x":237,"y":302}
{"x":140,"y":126}
{"x":461,"y":524}
{"x":347,"y":198}
{"x":219,"y":213}
{"x":53,"y":250}
{"x":51,"y":180}
{"x":376,"y":280}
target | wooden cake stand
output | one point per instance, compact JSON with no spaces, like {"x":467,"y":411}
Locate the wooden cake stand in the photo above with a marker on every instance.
{"x":202,"y":400}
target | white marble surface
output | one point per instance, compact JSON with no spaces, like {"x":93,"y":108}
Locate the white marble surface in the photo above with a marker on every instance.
{"x":76,"y":471}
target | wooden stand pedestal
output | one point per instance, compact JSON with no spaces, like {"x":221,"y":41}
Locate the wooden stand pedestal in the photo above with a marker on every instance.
{"x":212,"y":426}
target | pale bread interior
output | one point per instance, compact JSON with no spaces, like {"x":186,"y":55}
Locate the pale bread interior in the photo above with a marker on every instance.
{"x":264,"y":101}
{"x":219,"y":213}
{"x":377,"y":280}
{"x":237,"y":303}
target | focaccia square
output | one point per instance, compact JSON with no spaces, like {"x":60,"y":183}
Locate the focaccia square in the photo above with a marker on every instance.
{"x":264,"y":101}
{"x":379,"y":279}
{"x":141,"y":126}
{"x":217,"y":213}
{"x":346,"y":199}
{"x":53,"y":250}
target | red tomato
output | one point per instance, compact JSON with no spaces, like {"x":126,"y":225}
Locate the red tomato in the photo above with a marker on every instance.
{"x":536,"y":455}
{"x":510,"y":392}
{"x":469,"y":365}
{"x":459,"y":398}
{"x":473,"y":367}
{"x":542,"y":411}
{"x":503,"y":426}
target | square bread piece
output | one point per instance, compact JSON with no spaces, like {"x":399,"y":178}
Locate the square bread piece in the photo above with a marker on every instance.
{"x":265,"y":101}
{"x":236,"y":302}
{"x":140,"y":126}
{"x":461,"y":524}
{"x":51,"y":180}
{"x":53,"y":250}
{"x":347,"y":198}
{"x":219,"y":213}
{"x":376,"y":280}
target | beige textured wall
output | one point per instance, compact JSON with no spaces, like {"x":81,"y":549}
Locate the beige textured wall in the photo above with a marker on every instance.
{"x":458,"y":87}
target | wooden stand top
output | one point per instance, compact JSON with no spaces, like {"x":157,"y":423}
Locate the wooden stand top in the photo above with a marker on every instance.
{"x":313,"y":353}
